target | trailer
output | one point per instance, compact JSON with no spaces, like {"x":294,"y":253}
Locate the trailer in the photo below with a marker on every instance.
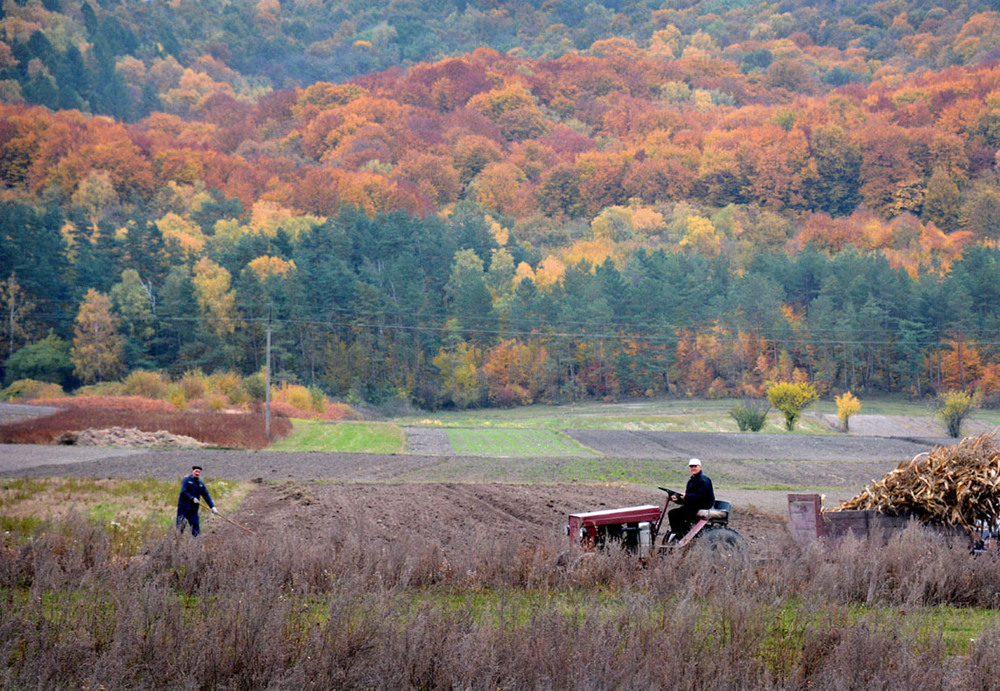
{"x":808,"y":521}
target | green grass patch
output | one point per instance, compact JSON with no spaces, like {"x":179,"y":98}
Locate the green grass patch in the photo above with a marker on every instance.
{"x":348,"y":437}
{"x":514,"y":443}
{"x":21,"y":525}
{"x":958,"y":626}
{"x":125,"y":509}
{"x":684,"y":415}
{"x":14,"y":490}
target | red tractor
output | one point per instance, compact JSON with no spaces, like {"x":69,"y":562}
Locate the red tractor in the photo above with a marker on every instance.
{"x":636,"y":528}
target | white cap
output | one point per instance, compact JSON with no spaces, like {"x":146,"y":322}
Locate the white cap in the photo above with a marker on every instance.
{"x":694,"y":461}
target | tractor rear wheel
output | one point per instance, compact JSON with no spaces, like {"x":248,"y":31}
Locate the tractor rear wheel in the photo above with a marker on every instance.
{"x":725,"y":543}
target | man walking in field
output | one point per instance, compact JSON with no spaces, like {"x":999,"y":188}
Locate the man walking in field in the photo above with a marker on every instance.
{"x":698,"y":495}
{"x":193,"y":490}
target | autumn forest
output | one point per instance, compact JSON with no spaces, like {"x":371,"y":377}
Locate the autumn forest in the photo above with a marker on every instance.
{"x":499,"y":202}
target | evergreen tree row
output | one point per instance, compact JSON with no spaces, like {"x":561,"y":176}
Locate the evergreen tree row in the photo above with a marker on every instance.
{"x":440,"y":311}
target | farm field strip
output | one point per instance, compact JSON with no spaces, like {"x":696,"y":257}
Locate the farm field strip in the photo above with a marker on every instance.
{"x":343,"y":437}
{"x":684,"y":415}
{"x":508,"y":443}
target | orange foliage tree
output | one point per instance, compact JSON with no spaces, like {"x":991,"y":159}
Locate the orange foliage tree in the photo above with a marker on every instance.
{"x":515,"y":372}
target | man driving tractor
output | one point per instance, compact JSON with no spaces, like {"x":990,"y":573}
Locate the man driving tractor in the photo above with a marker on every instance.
{"x":698,"y":495}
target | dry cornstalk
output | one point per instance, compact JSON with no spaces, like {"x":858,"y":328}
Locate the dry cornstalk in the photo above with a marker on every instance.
{"x":952,"y":485}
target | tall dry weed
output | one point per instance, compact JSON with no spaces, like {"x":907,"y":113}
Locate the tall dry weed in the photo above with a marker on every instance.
{"x":284,"y":610}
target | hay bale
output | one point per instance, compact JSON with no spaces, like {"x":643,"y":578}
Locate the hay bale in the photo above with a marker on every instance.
{"x":952,"y":485}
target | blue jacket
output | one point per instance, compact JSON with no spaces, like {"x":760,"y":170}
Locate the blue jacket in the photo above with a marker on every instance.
{"x":192,"y":488}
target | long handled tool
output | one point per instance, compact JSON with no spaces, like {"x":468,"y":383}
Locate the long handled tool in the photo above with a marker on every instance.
{"x":230,"y":520}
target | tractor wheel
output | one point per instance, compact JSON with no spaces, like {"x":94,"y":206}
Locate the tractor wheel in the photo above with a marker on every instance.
{"x":725,"y":543}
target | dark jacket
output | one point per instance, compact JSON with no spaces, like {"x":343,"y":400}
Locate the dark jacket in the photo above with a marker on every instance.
{"x":192,"y":488}
{"x":699,"y":493}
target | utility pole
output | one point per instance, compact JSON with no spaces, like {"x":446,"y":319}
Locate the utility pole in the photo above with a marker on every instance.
{"x":267,"y":380}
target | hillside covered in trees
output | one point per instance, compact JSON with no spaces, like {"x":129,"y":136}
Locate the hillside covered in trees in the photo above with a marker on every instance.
{"x":477,"y":203}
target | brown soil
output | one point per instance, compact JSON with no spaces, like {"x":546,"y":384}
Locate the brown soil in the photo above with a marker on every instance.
{"x":452,"y":517}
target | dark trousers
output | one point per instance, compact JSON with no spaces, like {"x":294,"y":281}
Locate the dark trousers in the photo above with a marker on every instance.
{"x":183,"y":519}
{"x":681,"y":519}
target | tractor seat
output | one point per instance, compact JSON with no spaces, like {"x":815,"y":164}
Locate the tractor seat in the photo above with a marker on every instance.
{"x":718,"y":512}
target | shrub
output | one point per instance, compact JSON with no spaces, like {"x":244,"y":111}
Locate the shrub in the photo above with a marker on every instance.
{"x":341,"y":411}
{"x":294,"y":395}
{"x":28,"y":389}
{"x":230,"y":385}
{"x":750,"y":415}
{"x":146,"y":384}
{"x":194,"y":384}
{"x":240,"y":431}
{"x":955,"y":407}
{"x":791,"y":398}
{"x":255,"y":387}
{"x":847,"y":405}
{"x":120,"y":403}
{"x":176,"y":397}
{"x":317,"y":399}
{"x":104,"y":388}
{"x":47,"y":360}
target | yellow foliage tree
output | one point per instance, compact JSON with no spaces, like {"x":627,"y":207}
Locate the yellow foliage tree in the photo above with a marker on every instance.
{"x":267,"y":217}
{"x":613,"y":223}
{"x":187,"y":234}
{"x":97,"y":345}
{"x":271,"y":266}
{"x":847,"y":406}
{"x":700,"y":235}
{"x":549,"y":272}
{"x":459,"y":366}
{"x":791,"y":398}
{"x":215,"y":299}
{"x":514,"y":373}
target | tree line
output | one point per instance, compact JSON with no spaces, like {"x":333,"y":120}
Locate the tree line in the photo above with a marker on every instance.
{"x":436,"y":311}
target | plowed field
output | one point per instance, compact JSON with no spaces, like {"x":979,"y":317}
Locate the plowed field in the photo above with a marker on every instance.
{"x":449,"y":517}
{"x":450,"y":501}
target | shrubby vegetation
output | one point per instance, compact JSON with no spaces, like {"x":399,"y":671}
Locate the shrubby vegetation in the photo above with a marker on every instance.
{"x":750,"y":415}
{"x":86,"y":607}
{"x":791,"y":398}
{"x":848,"y":406}
{"x":955,"y":407}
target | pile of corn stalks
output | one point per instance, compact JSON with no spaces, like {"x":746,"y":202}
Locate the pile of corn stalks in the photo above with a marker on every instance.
{"x":952,"y":485}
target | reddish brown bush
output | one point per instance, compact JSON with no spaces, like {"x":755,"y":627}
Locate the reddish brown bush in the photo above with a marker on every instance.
{"x":228,"y":430}
{"x":135,"y":403}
